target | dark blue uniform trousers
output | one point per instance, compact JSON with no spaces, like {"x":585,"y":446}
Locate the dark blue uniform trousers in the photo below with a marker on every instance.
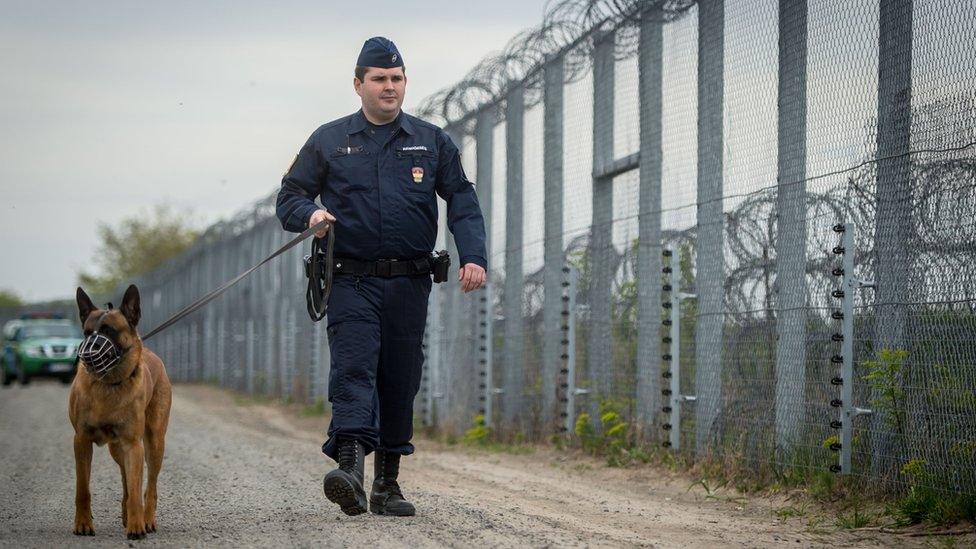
{"x":376,"y":328}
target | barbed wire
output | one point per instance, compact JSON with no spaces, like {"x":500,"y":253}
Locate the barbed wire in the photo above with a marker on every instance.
{"x":568,"y":30}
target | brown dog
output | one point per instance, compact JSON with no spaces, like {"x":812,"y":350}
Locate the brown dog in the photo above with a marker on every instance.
{"x":121,"y":397}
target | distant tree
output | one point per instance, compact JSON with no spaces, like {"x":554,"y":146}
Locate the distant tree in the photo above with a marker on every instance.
{"x":137,"y":245}
{"x":9,"y":298}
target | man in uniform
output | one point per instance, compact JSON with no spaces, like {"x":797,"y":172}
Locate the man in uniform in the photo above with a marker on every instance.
{"x":378,"y":173}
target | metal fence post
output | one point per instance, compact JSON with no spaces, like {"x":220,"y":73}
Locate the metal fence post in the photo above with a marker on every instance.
{"x":512,"y":372}
{"x":848,"y":411}
{"x":650,"y":64}
{"x":484,"y":153}
{"x":673,"y":357}
{"x":553,"y":253}
{"x":710,"y":256}
{"x":791,"y":228}
{"x":599,"y":343}
{"x":570,"y":283}
{"x":893,"y":217}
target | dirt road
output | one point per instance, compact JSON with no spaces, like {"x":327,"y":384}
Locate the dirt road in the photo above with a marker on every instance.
{"x":251,"y":475}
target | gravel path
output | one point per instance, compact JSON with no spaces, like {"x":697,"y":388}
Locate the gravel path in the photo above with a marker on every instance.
{"x":251,"y":475}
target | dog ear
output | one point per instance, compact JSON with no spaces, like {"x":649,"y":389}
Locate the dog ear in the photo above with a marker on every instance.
{"x":130,"y":305}
{"x":85,"y":305}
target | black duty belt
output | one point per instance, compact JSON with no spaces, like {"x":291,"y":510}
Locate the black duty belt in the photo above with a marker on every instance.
{"x":382,"y":267}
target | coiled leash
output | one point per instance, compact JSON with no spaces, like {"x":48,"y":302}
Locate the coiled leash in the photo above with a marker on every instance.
{"x":322,"y":296}
{"x":318,"y":269}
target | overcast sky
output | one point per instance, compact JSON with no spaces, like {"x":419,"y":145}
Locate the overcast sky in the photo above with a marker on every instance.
{"x":110,"y":107}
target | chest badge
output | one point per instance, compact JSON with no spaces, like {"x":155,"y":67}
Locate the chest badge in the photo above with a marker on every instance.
{"x":418,"y":174}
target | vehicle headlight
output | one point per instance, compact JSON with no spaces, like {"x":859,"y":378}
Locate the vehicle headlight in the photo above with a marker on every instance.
{"x":34,"y":351}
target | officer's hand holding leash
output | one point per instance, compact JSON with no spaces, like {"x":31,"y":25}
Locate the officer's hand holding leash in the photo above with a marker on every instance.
{"x":317,"y":217}
{"x":471,"y":276}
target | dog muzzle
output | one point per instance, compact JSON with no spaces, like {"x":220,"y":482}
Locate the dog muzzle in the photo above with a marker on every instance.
{"x":99,"y":354}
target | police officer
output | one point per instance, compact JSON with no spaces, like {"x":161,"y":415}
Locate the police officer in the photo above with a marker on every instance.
{"x":378,"y":173}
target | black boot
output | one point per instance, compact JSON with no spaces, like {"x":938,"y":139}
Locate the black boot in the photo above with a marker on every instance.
{"x":386,"y":497}
{"x":344,"y":486}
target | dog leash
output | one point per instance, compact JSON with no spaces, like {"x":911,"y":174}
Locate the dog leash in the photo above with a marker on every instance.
{"x":318,"y":269}
{"x":215,"y":293}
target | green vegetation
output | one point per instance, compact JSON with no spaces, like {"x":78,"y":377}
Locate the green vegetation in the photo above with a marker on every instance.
{"x":9,"y":298}
{"x":137,"y":245}
{"x":614,"y":440}
{"x":315,"y":409}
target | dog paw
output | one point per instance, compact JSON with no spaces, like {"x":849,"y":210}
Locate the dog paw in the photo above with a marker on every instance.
{"x":150,"y":526}
{"x":84,"y":528}
{"x":138,"y":531}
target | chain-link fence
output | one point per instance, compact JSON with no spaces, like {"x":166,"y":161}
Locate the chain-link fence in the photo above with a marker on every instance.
{"x":672,"y":190}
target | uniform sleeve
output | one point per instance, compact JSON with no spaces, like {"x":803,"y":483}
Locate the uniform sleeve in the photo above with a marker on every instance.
{"x":299,"y":187}
{"x":464,"y":218}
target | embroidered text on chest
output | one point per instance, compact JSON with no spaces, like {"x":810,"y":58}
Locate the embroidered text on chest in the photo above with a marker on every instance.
{"x":415,"y":148}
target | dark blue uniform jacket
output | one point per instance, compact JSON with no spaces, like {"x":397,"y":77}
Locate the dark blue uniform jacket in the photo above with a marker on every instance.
{"x":383,"y":197}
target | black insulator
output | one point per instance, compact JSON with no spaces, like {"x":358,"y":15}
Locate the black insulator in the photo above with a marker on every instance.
{"x":564,"y":356}
{"x":837,"y":315}
{"x":481,"y":386}
{"x":666,"y":426}
{"x":563,"y":385}
{"x":839,"y":294}
{"x":666,"y":322}
{"x":839,"y":228}
{"x":666,"y":409}
{"x":563,"y":371}
{"x":665,"y":357}
{"x":837,"y":359}
{"x":666,"y":253}
{"x":565,"y":298}
{"x":482,"y":374}
{"x":837,"y":271}
{"x":565,"y":284}
{"x":835,"y":468}
{"x":666,"y":339}
{"x":666,"y":375}
{"x":835,"y":447}
{"x":838,"y":250}
{"x":666,"y":304}
{"x":565,"y":269}
{"x":481,"y":398}
{"x":666,"y":288}
{"x":666,"y":444}
{"x":562,"y":414}
{"x":836,"y":424}
{"x":836,"y":381}
{"x":482,"y":348}
{"x":666,"y":392}
{"x":666,"y":270}
{"x":836,"y":403}
{"x":837,"y":337}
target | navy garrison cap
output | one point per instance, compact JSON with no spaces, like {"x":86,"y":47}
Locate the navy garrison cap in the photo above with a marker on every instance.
{"x":379,"y":52}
